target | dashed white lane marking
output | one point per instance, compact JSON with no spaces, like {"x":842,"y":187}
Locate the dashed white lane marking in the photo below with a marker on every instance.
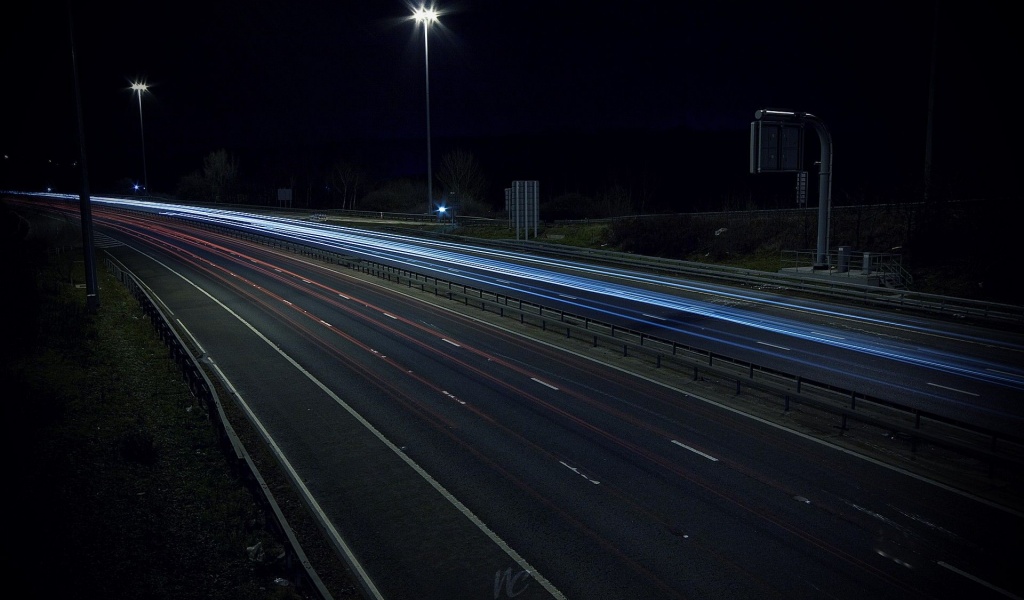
{"x":450,"y":342}
{"x":544,"y":383}
{"x":694,"y":450}
{"x":953,"y":389}
{"x":447,"y":393}
{"x":577,"y":471}
{"x":979,"y":581}
{"x":774,"y":346}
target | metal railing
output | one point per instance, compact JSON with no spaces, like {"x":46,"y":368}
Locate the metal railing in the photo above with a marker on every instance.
{"x":842,"y":289}
{"x":300,"y":571}
{"x":997,"y":450}
{"x":914,"y":425}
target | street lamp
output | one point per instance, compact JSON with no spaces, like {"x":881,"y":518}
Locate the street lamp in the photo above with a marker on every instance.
{"x":427,"y":16}
{"x":140,"y":87}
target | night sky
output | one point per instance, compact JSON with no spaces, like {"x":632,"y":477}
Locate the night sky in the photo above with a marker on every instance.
{"x":568,"y":92}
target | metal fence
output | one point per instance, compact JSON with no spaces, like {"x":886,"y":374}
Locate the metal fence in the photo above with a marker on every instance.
{"x":300,"y":572}
{"x":997,"y":450}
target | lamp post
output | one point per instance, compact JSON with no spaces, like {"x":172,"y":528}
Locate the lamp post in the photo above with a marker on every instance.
{"x":140,"y":87}
{"x":427,"y":16}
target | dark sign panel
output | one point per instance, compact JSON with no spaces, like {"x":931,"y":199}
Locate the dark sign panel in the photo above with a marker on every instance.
{"x":776,"y":147}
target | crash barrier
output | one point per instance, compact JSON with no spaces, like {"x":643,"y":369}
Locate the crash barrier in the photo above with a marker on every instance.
{"x":300,"y":572}
{"x":915,"y":426}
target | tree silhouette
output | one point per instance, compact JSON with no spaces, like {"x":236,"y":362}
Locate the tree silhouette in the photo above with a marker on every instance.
{"x":462,"y":178}
{"x":345,"y":178}
{"x":220,"y":170}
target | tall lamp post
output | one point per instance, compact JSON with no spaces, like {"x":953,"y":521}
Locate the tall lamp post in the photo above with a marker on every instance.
{"x":427,"y":16}
{"x":140,"y":87}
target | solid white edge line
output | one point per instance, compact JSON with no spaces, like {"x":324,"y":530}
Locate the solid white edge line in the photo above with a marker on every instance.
{"x":296,"y":480}
{"x":380,"y":436}
{"x":199,"y":346}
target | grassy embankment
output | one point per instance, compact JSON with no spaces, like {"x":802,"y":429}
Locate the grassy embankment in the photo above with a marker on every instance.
{"x":958,"y":252}
{"x":120,"y":487}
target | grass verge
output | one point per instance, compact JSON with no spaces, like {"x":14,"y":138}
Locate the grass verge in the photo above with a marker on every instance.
{"x":122,"y":489}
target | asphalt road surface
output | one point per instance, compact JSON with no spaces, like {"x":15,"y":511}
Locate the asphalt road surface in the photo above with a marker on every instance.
{"x":455,"y":458}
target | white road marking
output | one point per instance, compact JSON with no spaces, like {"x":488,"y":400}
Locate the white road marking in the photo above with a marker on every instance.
{"x":352,"y":560}
{"x":953,"y":389}
{"x":544,"y":383}
{"x":977,"y":580}
{"x":774,"y":346}
{"x":192,"y":337}
{"x":450,"y":342}
{"x":445,"y":392}
{"x":577,"y":471}
{"x":653,"y":316}
{"x":998,"y":372}
{"x":695,"y":451}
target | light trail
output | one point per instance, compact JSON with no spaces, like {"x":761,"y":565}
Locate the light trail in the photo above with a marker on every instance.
{"x":494,"y":269}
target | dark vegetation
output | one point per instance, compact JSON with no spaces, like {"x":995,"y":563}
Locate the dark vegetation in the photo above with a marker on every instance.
{"x":119,"y":485}
{"x":958,"y":249}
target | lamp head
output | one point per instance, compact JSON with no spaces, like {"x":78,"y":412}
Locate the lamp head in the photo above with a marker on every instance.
{"x":425,"y":15}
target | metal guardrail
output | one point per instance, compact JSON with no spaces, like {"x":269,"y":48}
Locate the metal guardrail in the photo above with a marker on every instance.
{"x":837,"y":288}
{"x":300,"y":571}
{"x":913,"y":425}
{"x":995,"y":448}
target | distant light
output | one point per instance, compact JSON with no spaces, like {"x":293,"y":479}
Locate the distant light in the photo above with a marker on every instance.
{"x":139,"y":86}
{"x":441,"y":209}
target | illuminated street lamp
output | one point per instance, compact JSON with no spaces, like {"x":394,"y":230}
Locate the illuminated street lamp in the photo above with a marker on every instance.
{"x":427,"y":16}
{"x":140,"y":87}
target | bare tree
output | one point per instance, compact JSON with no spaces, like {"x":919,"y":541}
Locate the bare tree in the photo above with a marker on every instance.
{"x":220,"y":171}
{"x":616,"y":201}
{"x":461,"y":176}
{"x":345,"y":178}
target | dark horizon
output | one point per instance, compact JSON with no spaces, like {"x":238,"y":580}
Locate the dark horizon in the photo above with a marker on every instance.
{"x":574,"y":96}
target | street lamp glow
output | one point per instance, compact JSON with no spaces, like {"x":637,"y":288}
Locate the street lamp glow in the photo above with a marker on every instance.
{"x":426,"y":16}
{"x":140,"y":87}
